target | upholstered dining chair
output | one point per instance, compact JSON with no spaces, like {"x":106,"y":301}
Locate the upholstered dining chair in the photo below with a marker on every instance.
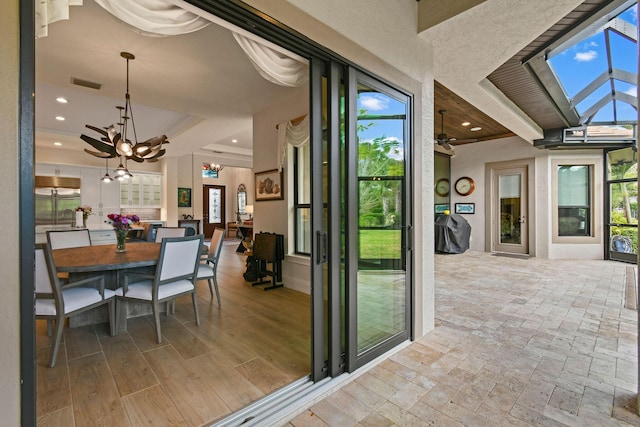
{"x":175,"y":276}
{"x":162,"y":232}
{"x":57,"y":302}
{"x":209,"y":264}
{"x":61,"y":239}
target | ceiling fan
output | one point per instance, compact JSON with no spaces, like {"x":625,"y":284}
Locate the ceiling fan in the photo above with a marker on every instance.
{"x":443,"y":139}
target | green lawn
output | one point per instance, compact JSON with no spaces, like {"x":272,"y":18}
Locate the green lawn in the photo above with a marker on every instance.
{"x":380,"y":244}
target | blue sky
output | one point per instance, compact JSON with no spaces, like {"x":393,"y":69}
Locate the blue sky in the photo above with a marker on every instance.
{"x":577,"y":66}
{"x":379,"y":103}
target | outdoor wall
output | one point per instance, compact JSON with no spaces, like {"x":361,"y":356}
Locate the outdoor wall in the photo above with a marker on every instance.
{"x":9,"y":191}
{"x":471,"y":159}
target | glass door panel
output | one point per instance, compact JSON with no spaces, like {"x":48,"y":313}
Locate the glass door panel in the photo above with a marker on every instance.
{"x":213,"y":207}
{"x":622,"y":171}
{"x":381,"y":288}
{"x":510,"y":202}
{"x":510,"y":233}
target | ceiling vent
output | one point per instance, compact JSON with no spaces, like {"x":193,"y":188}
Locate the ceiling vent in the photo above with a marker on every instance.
{"x":86,"y":83}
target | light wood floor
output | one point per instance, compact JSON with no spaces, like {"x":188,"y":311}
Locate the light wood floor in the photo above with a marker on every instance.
{"x":256,"y":343}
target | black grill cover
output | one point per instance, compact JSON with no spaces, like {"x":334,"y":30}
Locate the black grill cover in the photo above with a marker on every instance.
{"x":452,"y":234}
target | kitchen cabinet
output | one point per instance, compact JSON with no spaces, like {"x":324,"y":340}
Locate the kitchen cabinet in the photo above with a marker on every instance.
{"x":143,"y":190}
{"x":103,"y":197}
{"x":50,"y":169}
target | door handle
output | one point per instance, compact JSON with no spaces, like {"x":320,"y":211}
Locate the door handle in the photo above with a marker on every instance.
{"x":321,"y":247}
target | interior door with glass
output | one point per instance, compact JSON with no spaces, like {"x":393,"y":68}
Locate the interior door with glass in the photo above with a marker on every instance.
{"x":510,"y":229}
{"x":378,"y":209}
{"x":622,"y":197}
{"x":213,"y":206}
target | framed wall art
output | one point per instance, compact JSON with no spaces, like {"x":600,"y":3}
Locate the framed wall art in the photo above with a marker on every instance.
{"x":465,"y":208}
{"x":268,"y":185}
{"x":184,"y":197}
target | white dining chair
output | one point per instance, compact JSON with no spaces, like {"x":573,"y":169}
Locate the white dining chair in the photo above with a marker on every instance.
{"x":209,"y":264}
{"x":62,"y":239}
{"x":162,"y":232}
{"x":56,"y":301}
{"x":175,"y":276}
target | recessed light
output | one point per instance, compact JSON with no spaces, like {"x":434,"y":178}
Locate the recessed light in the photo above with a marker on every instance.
{"x":475,"y":129}
{"x":57,"y":143}
{"x":234,"y":140}
{"x":466,"y":123}
{"x":60,"y":118}
{"x":62,"y":100}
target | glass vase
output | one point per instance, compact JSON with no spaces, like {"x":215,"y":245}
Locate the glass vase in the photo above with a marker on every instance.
{"x":121,"y":237}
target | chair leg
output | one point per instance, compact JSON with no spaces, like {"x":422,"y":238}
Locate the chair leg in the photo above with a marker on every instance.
{"x":215,"y":283}
{"x":49,"y":327}
{"x":210,"y":288}
{"x":194,"y":298}
{"x":156,"y":319}
{"x":112,"y":317}
{"x":56,"y":341}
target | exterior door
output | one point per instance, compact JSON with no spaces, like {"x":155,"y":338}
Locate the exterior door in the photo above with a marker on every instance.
{"x":622,"y":197}
{"x":213,"y":197}
{"x":510,"y":208}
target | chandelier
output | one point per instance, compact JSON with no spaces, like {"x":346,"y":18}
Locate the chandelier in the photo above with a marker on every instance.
{"x":215,"y":167}
{"x":115,"y":141}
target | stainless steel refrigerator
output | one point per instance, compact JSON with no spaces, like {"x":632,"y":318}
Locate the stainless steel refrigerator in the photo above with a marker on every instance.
{"x":56,"y":200}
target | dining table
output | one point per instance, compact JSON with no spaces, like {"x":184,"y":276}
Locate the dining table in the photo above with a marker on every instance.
{"x":105,"y":258}
{"x":86,"y":261}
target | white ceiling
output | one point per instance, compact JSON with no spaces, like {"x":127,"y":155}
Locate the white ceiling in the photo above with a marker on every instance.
{"x":199,"y":89}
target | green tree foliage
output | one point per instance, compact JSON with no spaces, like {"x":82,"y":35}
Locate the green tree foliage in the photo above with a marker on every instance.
{"x":379,"y":196}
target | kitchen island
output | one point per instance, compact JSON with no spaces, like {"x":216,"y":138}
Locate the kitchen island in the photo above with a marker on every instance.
{"x":101,"y":234}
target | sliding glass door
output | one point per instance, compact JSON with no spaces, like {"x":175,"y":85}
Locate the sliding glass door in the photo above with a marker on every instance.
{"x":361,"y":216}
{"x":622,"y":197}
{"x":378,"y":206}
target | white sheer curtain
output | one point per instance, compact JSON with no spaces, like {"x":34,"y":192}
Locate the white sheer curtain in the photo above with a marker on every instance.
{"x":154,"y":18}
{"x":50,"y":11}
{"x":290,"y":134}
{"x":274,"y":66}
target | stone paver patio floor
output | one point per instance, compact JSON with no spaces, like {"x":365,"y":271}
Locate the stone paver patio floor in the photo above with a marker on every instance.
{"x":517,"y":342}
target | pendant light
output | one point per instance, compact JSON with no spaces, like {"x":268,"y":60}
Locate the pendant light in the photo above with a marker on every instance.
{"x":116,"y":143}
{"x":106,"y":177}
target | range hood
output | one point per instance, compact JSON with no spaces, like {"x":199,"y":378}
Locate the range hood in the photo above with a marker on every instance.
{"x":57,"y":182}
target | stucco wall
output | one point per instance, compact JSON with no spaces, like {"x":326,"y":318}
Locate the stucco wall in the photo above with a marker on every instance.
{"x":9,"y":261}
{"x":471,"y":160}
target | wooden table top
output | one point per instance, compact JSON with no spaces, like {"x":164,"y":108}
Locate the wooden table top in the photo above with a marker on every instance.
{"x":105,"y":257}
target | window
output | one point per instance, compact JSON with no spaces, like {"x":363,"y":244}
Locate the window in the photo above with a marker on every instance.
{"x":574,"y":200}
{"x":302,"y":198}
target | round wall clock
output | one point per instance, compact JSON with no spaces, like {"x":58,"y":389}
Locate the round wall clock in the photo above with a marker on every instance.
{"x":465,"y":186}
{"x":442,"y":187}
